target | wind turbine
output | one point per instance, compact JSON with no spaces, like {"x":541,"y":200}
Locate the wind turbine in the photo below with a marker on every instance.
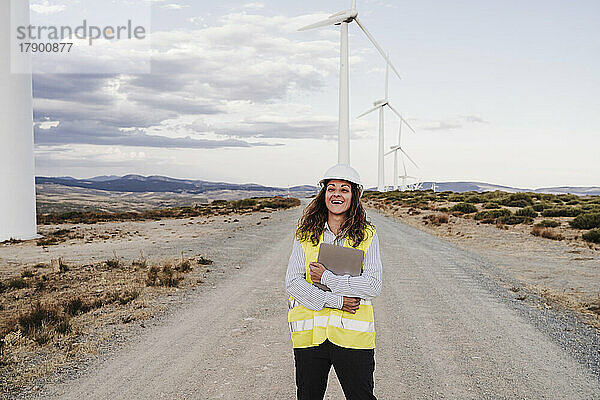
{"x":379,"y":105}
{"x":396,"y":148}
{"x":17,"y":179}
{"x":343,"y":18}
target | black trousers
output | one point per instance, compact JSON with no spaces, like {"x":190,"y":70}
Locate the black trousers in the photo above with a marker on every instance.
{"x":353,"y":367}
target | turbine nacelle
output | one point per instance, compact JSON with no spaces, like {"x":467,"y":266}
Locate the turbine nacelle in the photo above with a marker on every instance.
{"x":380,"y":103}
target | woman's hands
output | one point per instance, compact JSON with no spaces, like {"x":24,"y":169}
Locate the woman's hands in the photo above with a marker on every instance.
{"x":351,"y":304}
{"x":316,"y":271}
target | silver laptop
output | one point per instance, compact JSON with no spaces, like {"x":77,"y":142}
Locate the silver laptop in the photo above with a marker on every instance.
{"x":340,"y":260}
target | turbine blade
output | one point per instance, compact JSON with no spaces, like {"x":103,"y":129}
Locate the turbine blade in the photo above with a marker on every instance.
{"x":407,"y":156}
{"x":403,"y":165}
{"x":407,"y":124}
{"x":379,"y":49}
{"x":394,"y":110}
{"x":389,"y":152}
{"x":402,"y":119}
{"x":332,"y":20}
{"x":367,"y":112}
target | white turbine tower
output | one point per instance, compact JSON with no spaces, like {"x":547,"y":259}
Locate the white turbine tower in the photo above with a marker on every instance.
{"x":402,"y":120}
{"x":395,"y":149}
{"x":379,"y":105}
{"x":17,"y":180}
{"x":343,"y":18}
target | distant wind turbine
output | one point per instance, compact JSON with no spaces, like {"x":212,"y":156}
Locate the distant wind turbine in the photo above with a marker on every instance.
{"x":343,"y":18}
{"x":379,"y":105}
{"x":396,"y":148}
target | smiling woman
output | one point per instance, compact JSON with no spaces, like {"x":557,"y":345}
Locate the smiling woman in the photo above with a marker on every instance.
{"x":334,"y":327}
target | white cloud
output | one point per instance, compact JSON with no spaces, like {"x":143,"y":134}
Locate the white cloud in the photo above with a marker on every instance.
{"x":174,"y":6}
{"x":254,"y":5}
{"x":46,"y":8}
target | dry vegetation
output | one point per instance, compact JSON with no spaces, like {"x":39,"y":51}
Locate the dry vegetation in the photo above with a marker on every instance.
{"x":51,"y":313}
{"x":578,"y":218}
{"x":523,"y":217}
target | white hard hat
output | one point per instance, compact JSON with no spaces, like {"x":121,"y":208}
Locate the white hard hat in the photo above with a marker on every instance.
{"x":344,"y":172}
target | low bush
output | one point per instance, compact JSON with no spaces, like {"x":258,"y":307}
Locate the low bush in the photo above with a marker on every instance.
{"x":204,"y":261}
{"x":515,"y":219}
{"x":592,"y":236}
{"x":526,"y":212}
{"x":491,"y":205}
{"x":464,"y":208}
{"x":17,"y":283}
{"x":548,"y":223}
{"x":586,"y":221}
{"x":492,"y":214}
{"x":38,"y":317}
{"x":562,"y":212}
{"x":517,"y":200}
{"x":164,"y":276}
{"x":456,"y":198}
{"x":547,"y":233}
{"x":475,"y":199}
{"x":541,"y":206}
{"x":436,"y":219}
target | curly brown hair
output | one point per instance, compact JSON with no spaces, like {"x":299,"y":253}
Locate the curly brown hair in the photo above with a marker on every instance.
{"x":314,"y":216}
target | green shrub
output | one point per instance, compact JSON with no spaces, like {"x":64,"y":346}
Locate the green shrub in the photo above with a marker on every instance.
{"x":562,"y":212}
{"x":492,"y":214}
{"x":518,"y":203}
{"x":517,"y":200}
{"x":548,"y":223}
{"x":475,"y":199}
{"x":515,"y":219}
{"x":541,"y":206}
{"x":491,"y":205}
{"x":586,"y":221}
{"x":592,"y":236}
{"x":526,"y":212}
{"x":464,"y":208}
{"x":244,"y":203}
{"x":456,"y":197}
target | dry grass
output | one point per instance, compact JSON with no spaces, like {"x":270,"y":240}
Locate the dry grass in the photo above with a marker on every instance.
{"x":547,"y":233}
{"x":217,"y":207}
{"x":42,"y":313}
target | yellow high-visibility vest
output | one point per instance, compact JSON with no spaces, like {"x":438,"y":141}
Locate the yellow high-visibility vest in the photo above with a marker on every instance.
{"x":311,"y":328}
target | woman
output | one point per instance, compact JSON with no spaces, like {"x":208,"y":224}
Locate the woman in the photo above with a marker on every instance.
{"x":337,"y":327}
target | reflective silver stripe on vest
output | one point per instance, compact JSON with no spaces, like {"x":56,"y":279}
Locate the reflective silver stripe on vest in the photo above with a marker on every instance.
{"x":307,"y":324}
{"x":304,"y":325}
{"x":351,"y":324}
{"x":366,"y":302}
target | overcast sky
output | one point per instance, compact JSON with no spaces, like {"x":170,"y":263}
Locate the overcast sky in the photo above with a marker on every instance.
{"x":504,"y":92}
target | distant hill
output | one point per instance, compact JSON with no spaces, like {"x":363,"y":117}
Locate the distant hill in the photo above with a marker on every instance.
{"x":488,"y":187}
{"x":157,"y":183}
{"x":133,"y":183}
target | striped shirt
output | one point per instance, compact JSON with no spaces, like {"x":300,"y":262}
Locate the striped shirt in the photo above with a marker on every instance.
{"x":366,"y":286}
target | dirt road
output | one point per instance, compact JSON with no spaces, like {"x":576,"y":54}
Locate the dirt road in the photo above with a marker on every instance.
{"x":444,"y":330}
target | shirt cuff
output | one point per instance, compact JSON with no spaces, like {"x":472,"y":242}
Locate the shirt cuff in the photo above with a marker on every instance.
{"x":327,"y":274}
{"x":334,"y":300}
